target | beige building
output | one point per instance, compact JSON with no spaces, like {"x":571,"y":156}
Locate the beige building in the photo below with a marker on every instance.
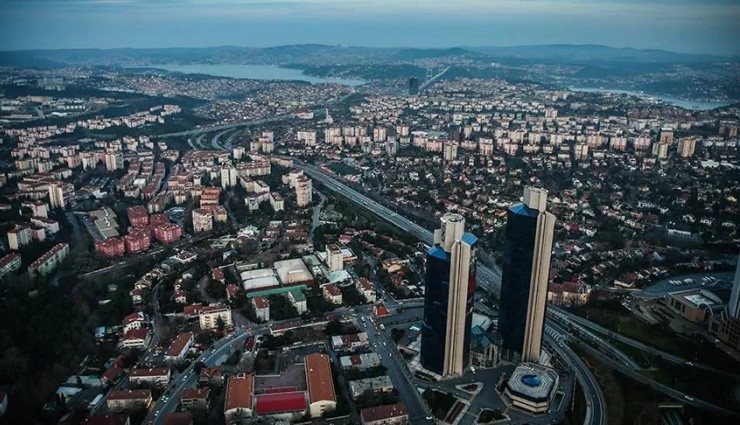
{"x":334,"y":258}
{"x":536,"y":198}
{"x":320,"y":382}
{"x":239,"y":398}
{"x":129,"y":400}
{"x":303,"y":191}
{"x":50,"y":260}
{"x":209,"y":315}
{"x":56,"y":196}
{"x":686,"y":147}
{"x":202,"y":220}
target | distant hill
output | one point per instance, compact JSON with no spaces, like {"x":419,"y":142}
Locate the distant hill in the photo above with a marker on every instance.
{"x":593,"y":53}
{"x":319,"y":54}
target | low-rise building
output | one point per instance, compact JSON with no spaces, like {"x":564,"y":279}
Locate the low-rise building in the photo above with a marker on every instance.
{"x":371,"y":386}
{"x":136,"y":338}
{"x":532,"y":387}
{"x":209,"y":317}
{"x":238,"y":401}
{"x":154,"y":377}
{"x":349,"y":342}
{"x":50,"y":260}
{"x":389,"y":414}
{"x":179,"y":347}
{"x":195,"y":399}
{"x":359,"y":362}
{"x":129,"y":400}
{"x":366,"y":288}
{"x":332,"y":293}
{"x":320,"y":381}
{"x":261,"y":308}
{"x":10,"y":263}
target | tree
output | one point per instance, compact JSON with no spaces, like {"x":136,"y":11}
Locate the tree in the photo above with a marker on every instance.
{"x":333,"y":328}
{"x":216,"y":289}
{"x":220,"y":324}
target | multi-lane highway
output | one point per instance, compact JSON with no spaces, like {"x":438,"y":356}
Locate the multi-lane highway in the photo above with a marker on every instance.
{"x":489,"y":279}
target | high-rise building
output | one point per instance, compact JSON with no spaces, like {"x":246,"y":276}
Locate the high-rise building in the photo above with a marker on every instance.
{"x":734,"y":306}
{"x":526,"y":268}
{"x":56,"y":196}
{"x":448,"y":300}
{"x":303,"y":189}
{"x":686,"y":147}
{"x":113,"y":161}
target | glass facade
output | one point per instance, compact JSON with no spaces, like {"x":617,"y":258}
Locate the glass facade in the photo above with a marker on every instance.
{"x":521,"y":228}
{"x":434,"y":329}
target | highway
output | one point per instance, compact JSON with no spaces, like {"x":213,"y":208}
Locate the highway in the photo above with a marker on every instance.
{"x":580,"y":321}
{"x":489,"y":279}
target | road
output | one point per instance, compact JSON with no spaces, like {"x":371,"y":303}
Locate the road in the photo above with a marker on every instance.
{"x":489,"y":279}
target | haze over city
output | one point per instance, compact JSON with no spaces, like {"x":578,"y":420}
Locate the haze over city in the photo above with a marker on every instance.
{"x":425,"y":212}
{"x":694,"y":26}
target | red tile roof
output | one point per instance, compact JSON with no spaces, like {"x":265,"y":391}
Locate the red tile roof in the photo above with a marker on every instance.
{"x":281,"y":403}
{"x":319,"y":378}
{"x":239,"y":392}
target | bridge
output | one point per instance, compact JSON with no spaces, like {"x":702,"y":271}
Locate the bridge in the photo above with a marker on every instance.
{"x":434,"y":79}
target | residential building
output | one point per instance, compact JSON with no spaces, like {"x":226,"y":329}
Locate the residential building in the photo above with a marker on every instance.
{"x":154,"y":377}
{"x":261,"y":308}
{"x":167,"y":233}
{"x":332,"y":293}
{"x":136,"y":338}
{"x":179,"y":347}
{"x":568,"y":294}
{"x":303,"y":191}
{"x":525,"y":275}
{"x":320,"y":382}
{"x":209,"y":317}
{"x":359,"y":362}
{"x":389,"y":414}
{"x":370,"y":386}
{"x":366,"y":288}
{"x":57,"y":198}
{"x":50,"y":260}
{"x":195,"y":399}
{"x":238,"y":402}
{"x":135,"y":320}
{"x":138,"y":216}
{"x":202,"y":220}
{"x":129,"y":400}
{"x":686,"y":147}
{"x":10,"y":263}
{"x":276,"y":201}
{"x":111,"y":247}
{"x":448,"y":301}
{"x":19,"y":236}
{"x":334,"y":258}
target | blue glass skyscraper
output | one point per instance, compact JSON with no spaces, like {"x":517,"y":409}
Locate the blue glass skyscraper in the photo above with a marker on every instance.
{"x":448,"y":300}
{"x":525,"y":275}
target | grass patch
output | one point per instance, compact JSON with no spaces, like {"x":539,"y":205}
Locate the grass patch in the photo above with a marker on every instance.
{"x":440,"y":402}
{"x":343,"y":169}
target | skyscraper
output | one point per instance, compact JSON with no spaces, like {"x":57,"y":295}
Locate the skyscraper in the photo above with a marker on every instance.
{"x":529,"y":233}
{"x":448,"y":302}
{"x":734,"y":306}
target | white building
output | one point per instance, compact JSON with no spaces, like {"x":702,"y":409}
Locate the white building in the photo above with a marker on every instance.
{"x":209,"y":315}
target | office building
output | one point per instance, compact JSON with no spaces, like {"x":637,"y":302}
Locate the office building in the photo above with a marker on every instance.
{"x":526,"y":267}
{"x":448,"y":303}
{"x":733,"y":308}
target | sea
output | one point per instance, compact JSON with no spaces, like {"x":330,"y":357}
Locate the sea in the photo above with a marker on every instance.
{"x":254,"y":72}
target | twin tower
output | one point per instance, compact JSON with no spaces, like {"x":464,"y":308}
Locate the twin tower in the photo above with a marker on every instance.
{"x":450,"y":286}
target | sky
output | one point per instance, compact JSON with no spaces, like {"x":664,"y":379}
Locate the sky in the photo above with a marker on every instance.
{"x":692,"y":26}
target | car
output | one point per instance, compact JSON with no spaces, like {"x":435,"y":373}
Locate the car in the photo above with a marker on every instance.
{"x":688,"y":398}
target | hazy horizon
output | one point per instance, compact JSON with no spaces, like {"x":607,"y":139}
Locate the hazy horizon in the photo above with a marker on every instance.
{"x":685,"y":26}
